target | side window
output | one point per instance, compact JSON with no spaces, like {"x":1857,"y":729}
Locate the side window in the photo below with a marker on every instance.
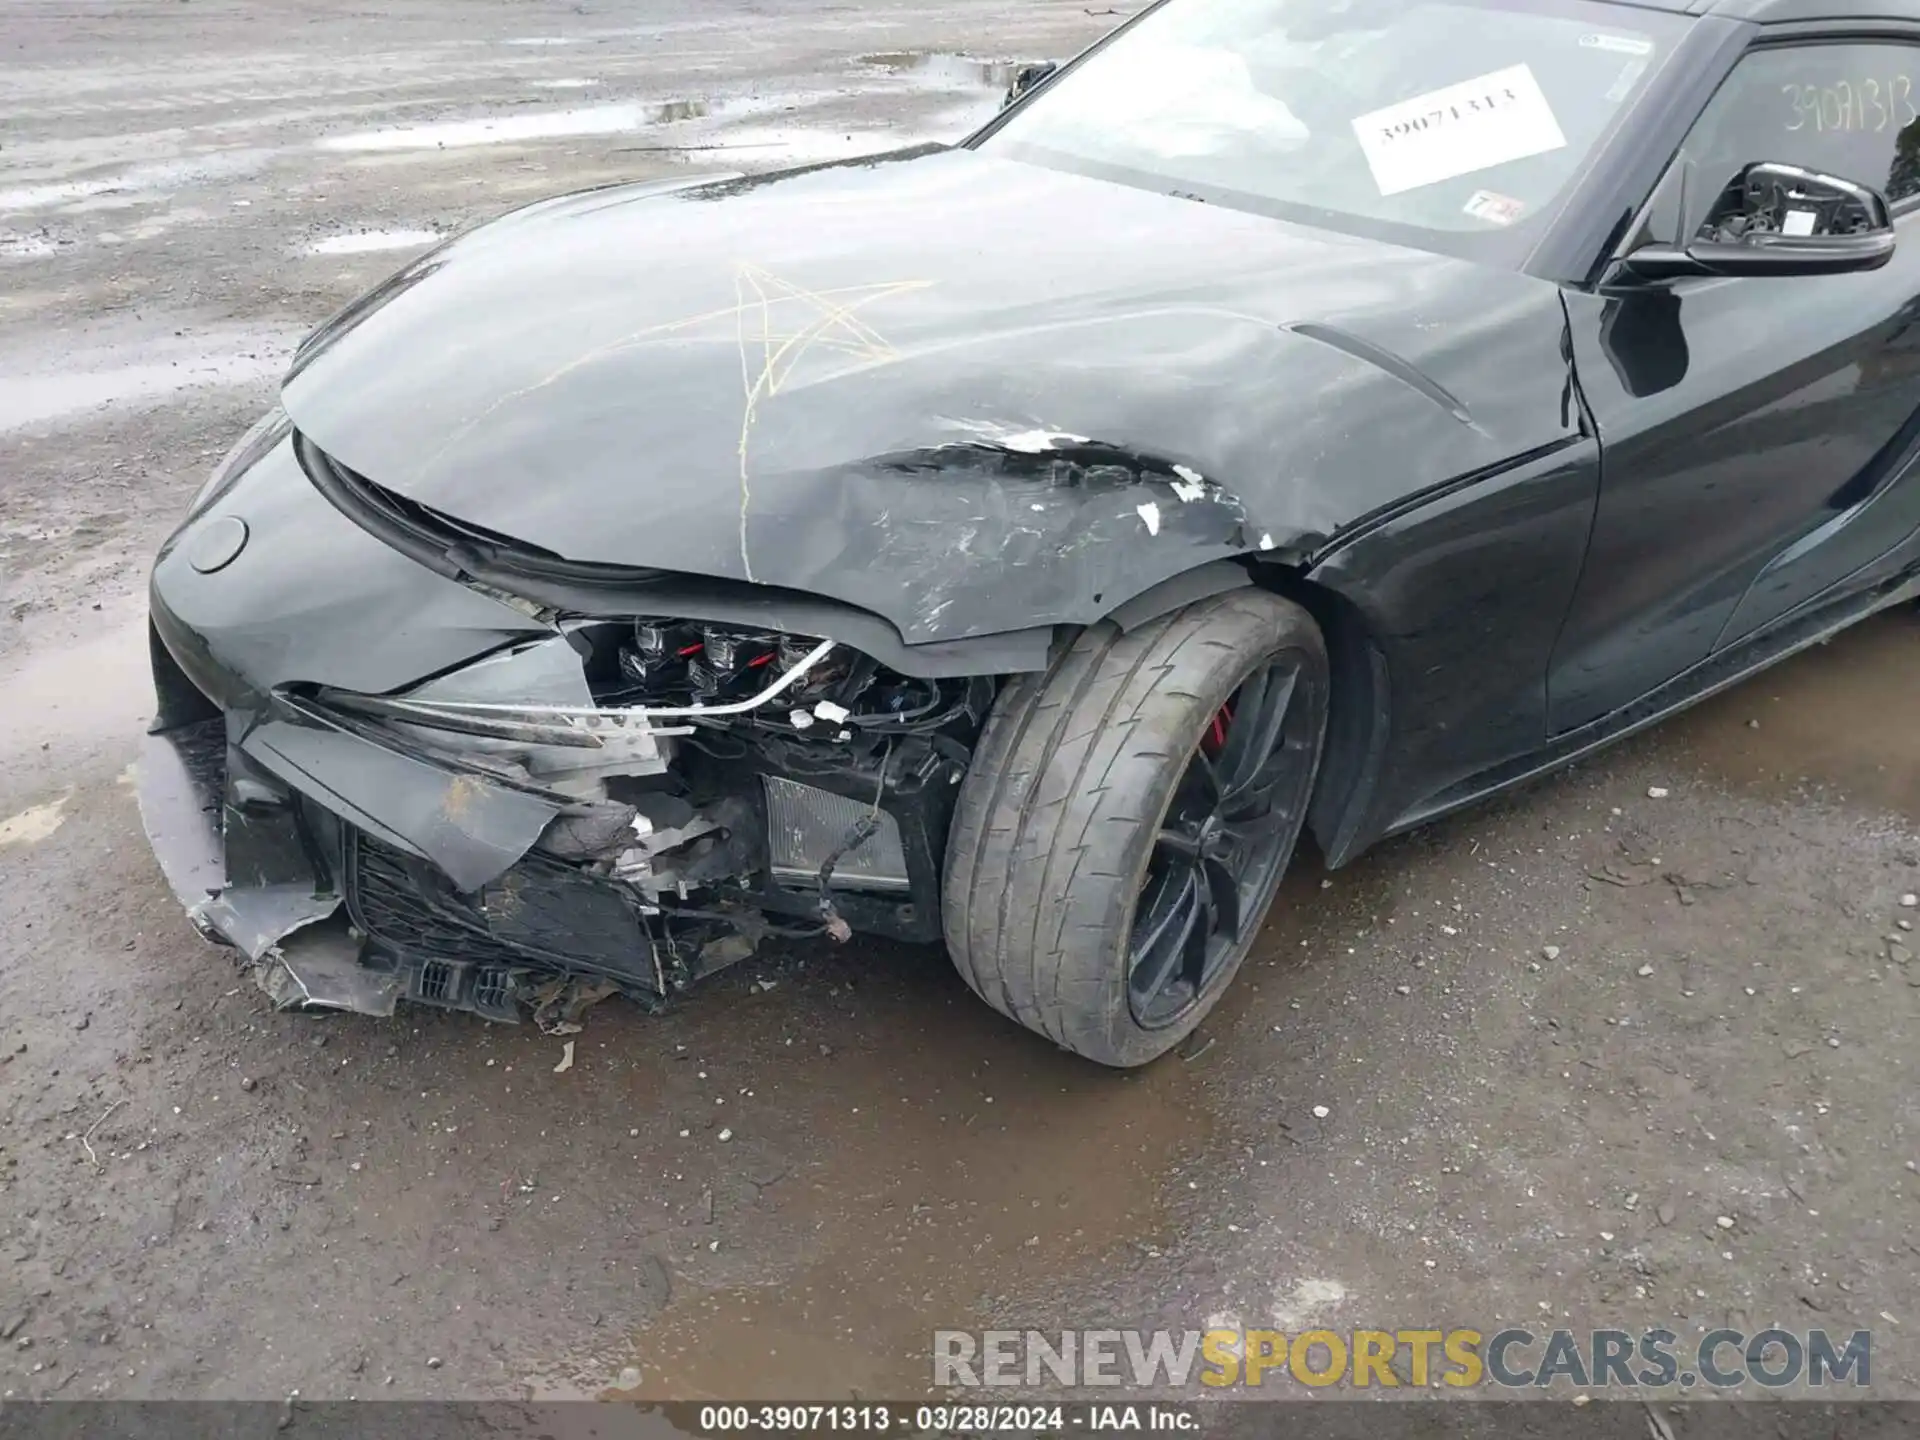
{"x":1847,"y":110}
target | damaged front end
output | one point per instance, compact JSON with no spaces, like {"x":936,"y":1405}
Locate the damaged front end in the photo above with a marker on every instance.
{"x":616,"y":805}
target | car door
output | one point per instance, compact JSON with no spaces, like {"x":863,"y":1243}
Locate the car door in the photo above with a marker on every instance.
{"x":1759,"y":434}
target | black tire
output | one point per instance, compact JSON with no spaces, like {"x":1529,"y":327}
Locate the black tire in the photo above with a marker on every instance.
{"x":1068,"y":813}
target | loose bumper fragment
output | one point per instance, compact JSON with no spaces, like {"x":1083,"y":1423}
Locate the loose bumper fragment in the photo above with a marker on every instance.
{"x":243,"y":875}
{"x":183,"y":777}
{"x":471,"y":828}
{"x":319,"y":969}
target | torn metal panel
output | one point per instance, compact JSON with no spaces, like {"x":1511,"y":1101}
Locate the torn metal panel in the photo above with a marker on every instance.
{"x":541,"y":672}
{"x":531,"y":705}
{"x":243,"y":876}
{"x":256,"y":920}
{"x":472,"y":828}
{"x":319,"y":969}
{"x":273,"y":886}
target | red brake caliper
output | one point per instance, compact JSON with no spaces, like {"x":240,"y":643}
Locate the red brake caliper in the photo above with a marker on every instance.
{"x":1215,"y":740}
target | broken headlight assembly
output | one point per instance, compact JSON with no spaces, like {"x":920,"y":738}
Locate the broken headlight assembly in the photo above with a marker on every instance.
{"x":732,"y":781}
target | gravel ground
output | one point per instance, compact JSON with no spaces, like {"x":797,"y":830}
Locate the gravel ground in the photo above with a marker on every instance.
{"x":1555,"y":1040}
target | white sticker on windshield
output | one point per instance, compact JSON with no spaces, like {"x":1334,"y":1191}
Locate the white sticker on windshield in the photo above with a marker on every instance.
{"x":1629,"y":77}
{"x":1471,"y":126}
{"x":1494,"y":208}
{"x":1618,"y":44}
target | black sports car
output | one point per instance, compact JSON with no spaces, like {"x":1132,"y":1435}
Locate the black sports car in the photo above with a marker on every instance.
{"x":1288,"y":413}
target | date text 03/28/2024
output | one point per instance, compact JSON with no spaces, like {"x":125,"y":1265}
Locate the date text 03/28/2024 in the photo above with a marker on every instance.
{"x":947,"y":1419}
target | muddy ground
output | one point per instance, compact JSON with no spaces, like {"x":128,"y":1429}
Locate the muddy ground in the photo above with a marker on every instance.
{"x":782,"y":1186}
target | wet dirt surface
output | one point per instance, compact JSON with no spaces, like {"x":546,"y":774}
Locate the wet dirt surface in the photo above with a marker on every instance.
{"x":784,"y":1184}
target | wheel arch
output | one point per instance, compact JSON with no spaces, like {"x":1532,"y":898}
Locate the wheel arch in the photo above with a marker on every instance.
{"x":1359,"y":720}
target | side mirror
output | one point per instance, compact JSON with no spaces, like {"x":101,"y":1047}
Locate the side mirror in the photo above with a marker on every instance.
{"x":1779,"y":220}
{"x":1026,"y":78}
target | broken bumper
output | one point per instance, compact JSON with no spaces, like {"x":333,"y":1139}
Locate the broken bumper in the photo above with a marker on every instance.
{"x":355,"y":779}
{"x":332,"y":918}
{"x":291,"y":844}
{"x":246,"y":879}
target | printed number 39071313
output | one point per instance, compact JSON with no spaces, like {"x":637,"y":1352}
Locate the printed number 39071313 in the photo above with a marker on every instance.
{"x":1869,"y":104}
{"x":1441,"y":115}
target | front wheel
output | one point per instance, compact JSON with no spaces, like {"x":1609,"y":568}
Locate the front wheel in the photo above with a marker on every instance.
{"x":1127,"y":818}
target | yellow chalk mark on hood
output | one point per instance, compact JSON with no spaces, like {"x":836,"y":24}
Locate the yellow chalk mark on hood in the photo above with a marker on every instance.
{"x":761,"y":296}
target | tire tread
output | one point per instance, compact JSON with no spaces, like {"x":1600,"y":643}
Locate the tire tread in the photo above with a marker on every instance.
{"x":1048,"y":839}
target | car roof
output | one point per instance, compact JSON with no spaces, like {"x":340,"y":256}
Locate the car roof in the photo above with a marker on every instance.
{"x":1779,"y":12}
{"x":1774,"y":12}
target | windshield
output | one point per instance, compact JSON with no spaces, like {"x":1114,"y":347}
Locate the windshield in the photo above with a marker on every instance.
{"x":1453,"y":125}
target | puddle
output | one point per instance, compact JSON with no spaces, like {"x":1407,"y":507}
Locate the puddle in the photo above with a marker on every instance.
{"x":946,"y":70}
{"x":1838,"y":716}
{"x":797,"y":146}
{"x":31,"y":826}
{"x":139,"y":184}
{"x":541,"y":41}
{"x":39,"y":197}
{"x":38,"y":387}
{"x":507,"y":129}
{"x":903,"y":1160}
{"x":96,"y":690}
{"x":24,"y":247}
{"x":172,"y":218}
{"x":796,"y":143}
{"x":361,"y":242}
{"x":569,"y":84}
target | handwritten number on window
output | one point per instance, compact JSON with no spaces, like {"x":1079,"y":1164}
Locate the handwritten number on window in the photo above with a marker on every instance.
{"x":1871,"y":105}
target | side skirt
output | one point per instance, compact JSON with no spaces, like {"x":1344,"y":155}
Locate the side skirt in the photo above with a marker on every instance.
{"x":1716,"y":673}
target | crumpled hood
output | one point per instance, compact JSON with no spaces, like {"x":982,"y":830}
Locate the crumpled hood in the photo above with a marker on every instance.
{"x":966,"y":394}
